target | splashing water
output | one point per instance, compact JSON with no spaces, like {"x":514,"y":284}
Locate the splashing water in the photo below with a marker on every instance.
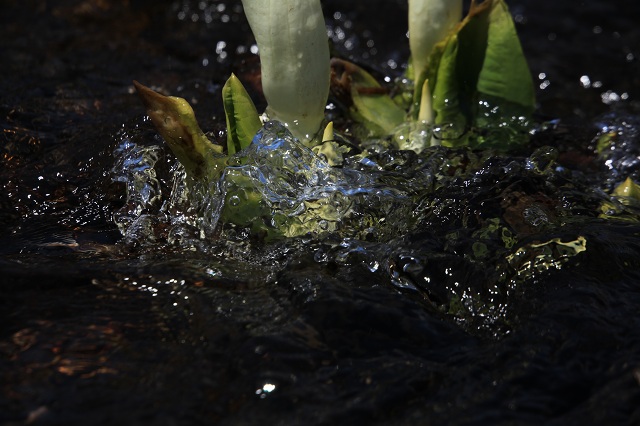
{"x":276,"y":187}
{"x":150,"y":217}
{"x":303,"y":194}
{"x":134,"y":166}
{"x":428,"y":222}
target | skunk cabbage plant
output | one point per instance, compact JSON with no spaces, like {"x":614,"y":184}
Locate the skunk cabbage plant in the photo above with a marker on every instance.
{"x":470,"y":73}
{"x":469,"y":76}
{"x":479,"y":76}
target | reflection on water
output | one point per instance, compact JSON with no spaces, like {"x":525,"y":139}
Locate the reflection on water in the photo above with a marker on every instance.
{"x":464,"y":287}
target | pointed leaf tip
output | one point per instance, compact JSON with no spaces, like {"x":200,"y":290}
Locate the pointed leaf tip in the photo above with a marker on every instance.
{"x":243,"y":121}
{"x":175,"y":120}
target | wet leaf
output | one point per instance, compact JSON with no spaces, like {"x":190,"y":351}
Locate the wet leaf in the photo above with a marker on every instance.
{"x":372,"y":105}
{"x":244,"y":205}
{"x":175,"y":120}
{"x":505,"y":73}
{"x":332,"y":152}
{"x":624,"y":204}
{"x":294,"y":56}
{"x":447,"y":101}
{"x":628,"y":189}
{"x":479,"y":76}
{"x":243,"y":121}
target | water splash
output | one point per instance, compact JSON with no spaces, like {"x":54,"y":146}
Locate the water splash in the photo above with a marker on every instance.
{"x":428,"y":223}
{"x":135,"y":167}
{"x":299,"y":193}
{"x":155,"y":212}
{"x":275,"y":188}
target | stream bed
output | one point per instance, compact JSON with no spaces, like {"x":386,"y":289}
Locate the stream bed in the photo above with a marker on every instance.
{"x":509,"y":295}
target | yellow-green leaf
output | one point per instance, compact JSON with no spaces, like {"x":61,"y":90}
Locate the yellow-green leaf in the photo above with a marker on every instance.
{"x":481,"y":67}
{"x":372,"y":105}
{"x":243,"y":121}
{"x":628,"y":189}
{"x":174,"y":119}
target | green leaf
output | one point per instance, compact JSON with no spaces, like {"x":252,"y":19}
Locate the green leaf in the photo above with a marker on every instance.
{"x":372,"y":105}
{"x":243,"y":204}
{"x":175,"y":121}
{"x":479,"y":78}
{"x":505,"y":73}
{"x":448,"y":100}
{"x":243,"y":121}
{"x":628,"y":189}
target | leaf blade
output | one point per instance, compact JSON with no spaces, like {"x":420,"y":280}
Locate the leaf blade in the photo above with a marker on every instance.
{"x":243,"y":121}
{"x":175,"y":120}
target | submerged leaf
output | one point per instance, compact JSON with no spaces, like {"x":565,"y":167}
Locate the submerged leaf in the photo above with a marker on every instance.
{"x":625,"y":203}
{"x":244,"y":205}
{"x":628,"y":189}
{"x":175,"y":121}
{"x":332,"y":152}
{"x":243,"y":121}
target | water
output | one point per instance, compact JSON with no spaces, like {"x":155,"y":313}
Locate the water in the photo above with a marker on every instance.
{"x":505,"y":299}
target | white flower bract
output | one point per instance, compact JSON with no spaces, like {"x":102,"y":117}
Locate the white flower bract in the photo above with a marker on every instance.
{"x":429,"y":23}
{"x":294,"y":54}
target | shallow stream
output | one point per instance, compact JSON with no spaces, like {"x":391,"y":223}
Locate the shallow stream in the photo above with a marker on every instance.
{"x":486,"y":288}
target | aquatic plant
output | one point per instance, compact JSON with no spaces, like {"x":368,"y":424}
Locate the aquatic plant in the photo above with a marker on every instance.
{"x":429,"y":23}
{"x":467,"y":74}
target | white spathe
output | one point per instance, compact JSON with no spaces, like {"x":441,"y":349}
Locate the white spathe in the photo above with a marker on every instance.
{"x":429,"y":23}
{"x":294,"y":54}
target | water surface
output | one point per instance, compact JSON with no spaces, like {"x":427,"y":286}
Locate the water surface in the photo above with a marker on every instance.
{"x":443,"y":321}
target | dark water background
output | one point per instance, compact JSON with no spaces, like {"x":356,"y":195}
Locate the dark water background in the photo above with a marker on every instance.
{"x":93,"y":331}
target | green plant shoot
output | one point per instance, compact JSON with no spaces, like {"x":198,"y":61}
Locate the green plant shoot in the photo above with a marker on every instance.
{"x":176,"y":123}
{"x":242,"y":117}
{"x":481,"y":63}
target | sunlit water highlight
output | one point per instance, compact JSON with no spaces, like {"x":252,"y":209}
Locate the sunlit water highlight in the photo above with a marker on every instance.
{"x":510,"y":298}
{"x":468,"y":209}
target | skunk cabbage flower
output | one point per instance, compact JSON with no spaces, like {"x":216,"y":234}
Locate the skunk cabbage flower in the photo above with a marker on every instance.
{"x":294,"y":54}
{"x":429,"y":23}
